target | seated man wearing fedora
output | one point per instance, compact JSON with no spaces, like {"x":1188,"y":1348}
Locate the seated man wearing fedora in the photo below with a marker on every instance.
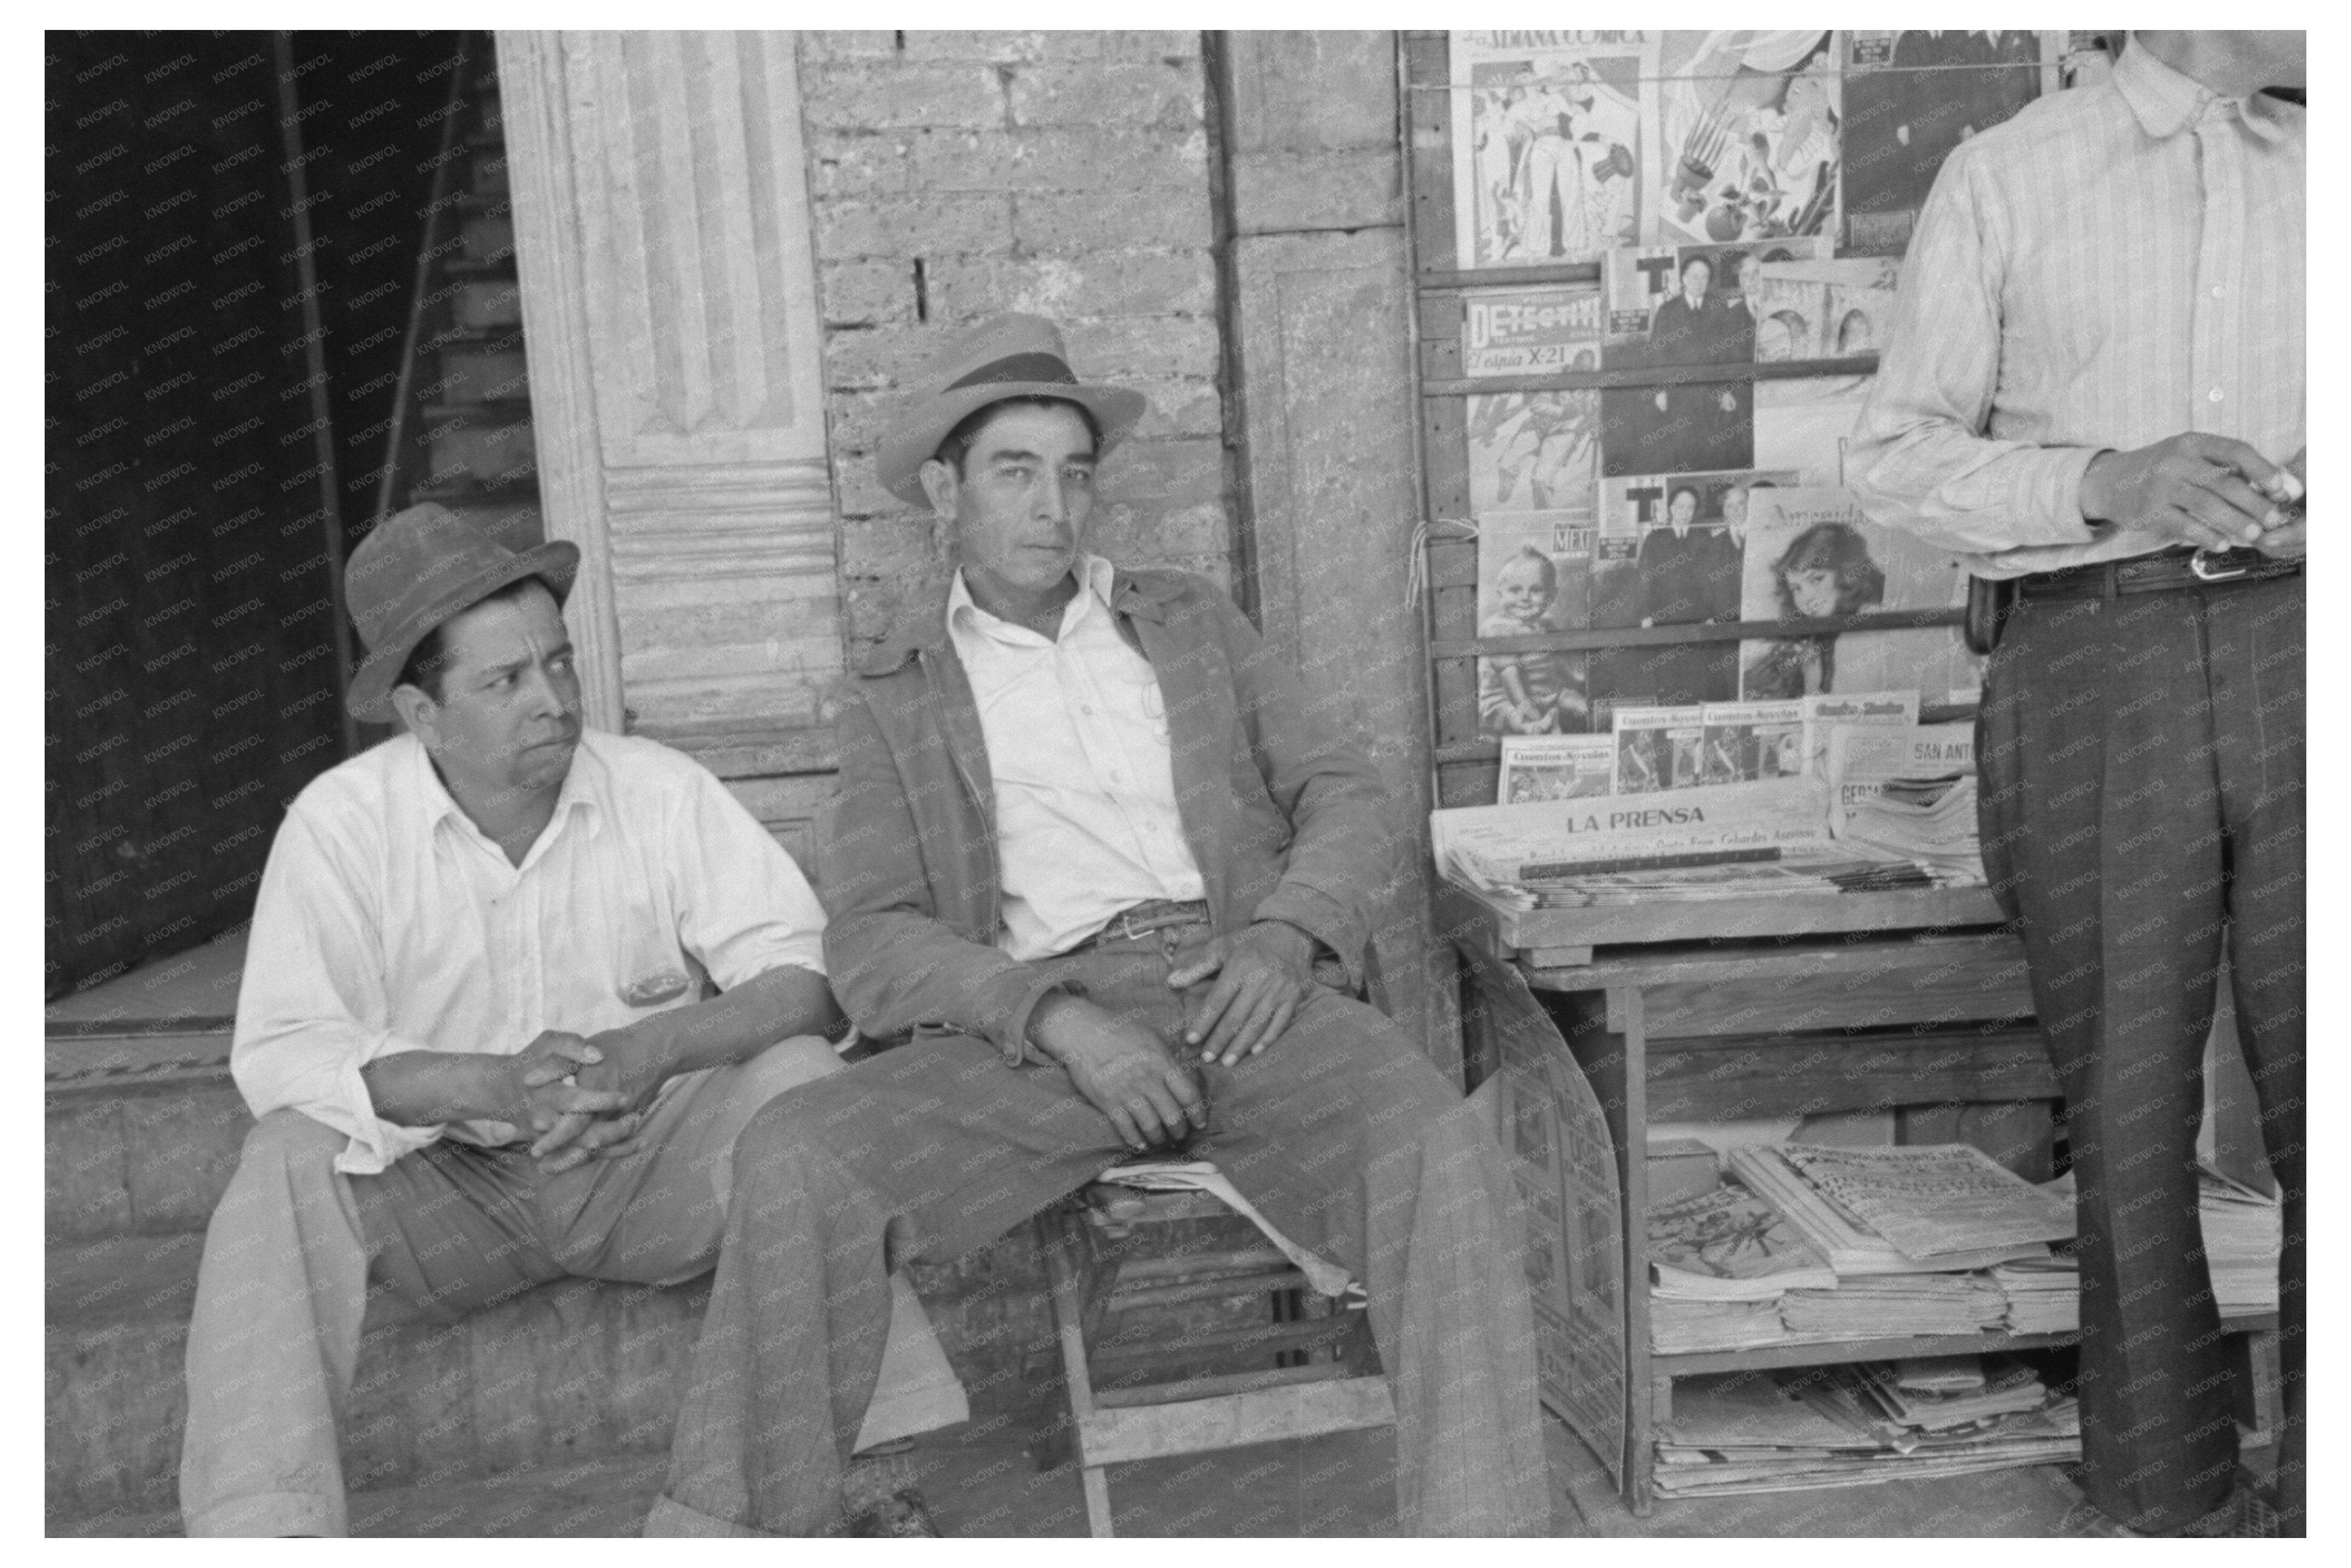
{"x":513,"y":989}
{"x":1101,"y":880}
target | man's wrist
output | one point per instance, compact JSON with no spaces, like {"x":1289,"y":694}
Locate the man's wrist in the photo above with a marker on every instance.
{"x":1046,"y":1019}
{"x":2096,"y":504}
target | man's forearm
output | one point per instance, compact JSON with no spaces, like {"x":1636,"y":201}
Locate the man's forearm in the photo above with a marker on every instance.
{"x":427,"y":1088}
{"x":734,"y":1027}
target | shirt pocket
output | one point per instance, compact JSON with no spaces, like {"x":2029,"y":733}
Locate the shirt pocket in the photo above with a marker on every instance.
{"x":650,"y":970}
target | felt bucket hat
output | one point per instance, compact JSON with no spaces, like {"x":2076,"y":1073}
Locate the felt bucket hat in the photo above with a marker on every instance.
{"x":1003,"y":357}
{"x":419,"y":568}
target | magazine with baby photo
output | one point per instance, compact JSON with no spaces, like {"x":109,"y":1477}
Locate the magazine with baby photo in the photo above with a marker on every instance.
{"x":1534,"y":577}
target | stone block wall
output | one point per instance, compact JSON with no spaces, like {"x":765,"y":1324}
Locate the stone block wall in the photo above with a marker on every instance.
{"x":953,"y":176}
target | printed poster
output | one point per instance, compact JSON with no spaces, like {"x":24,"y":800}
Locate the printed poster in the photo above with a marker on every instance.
{"x":1534,"y":577}
{"x":1813,"y":553}
{"x":1547,"y":143}
{"x":1748,"y":137}
{"x":1910,"y":96}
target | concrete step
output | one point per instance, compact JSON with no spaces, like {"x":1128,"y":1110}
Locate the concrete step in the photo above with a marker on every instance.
{"x":575,"y":1369}
{"x":486,"y":304}
{"x":482,"y":448}
{"x":490,"y":172}
{"x":488,"y":237}
{"x":478,"y":370}
{"x":141,"y":1132}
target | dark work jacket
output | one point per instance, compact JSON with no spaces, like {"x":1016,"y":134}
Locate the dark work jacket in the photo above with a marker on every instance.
{"x":1281,"y":813}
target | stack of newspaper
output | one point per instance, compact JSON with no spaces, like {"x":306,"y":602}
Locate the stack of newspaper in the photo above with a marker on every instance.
{"x":1880,"y":1306}
{"x":1909,"y":792}
{"x":2242,"y":1228}
{"x":1721,"y":1261}
{"x":2044,"y":1294}
{"x":1844,"y":1426}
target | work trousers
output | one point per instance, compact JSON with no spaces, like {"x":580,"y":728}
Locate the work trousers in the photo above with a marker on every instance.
{"x":283,"y":1287}
{"x":1345,"y":1136}
{"x":2141,"y":761}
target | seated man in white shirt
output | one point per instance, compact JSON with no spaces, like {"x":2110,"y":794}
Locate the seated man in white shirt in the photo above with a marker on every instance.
{"x":513,"y":989}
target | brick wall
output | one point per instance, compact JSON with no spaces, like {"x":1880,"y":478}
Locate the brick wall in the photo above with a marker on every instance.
{"x":1064,"y":173}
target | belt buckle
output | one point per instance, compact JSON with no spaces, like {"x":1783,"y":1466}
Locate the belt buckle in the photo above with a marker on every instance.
{"x":2225,"y":574}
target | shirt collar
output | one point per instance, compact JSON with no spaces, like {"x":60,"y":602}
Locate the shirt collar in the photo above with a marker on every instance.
{"x":1096,"y":576}
{"x":584,"y":789}
{"x":2167,"y":102}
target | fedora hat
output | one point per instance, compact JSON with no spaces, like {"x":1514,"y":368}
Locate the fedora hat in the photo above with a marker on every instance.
{"x":1003,"y":357}
{"x":419,"y":568}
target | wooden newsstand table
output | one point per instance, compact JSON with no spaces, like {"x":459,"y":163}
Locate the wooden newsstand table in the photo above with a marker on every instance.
{"x":1766,"y":1007}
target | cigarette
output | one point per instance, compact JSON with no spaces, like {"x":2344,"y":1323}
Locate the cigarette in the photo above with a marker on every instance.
{"x":2281,"y":487}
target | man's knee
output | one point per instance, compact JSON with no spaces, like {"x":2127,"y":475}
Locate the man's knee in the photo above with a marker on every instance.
{"x":293,"y":1140}
{"x":786,"y":1064}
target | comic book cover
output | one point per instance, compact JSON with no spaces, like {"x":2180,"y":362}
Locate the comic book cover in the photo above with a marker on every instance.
{"x":1749,"y":741}
{"x":1813,"y":553}
{"x":1547,"y":152}
{"x":1555,"y":768}
{"x":1659,"y":748}
{"x":1911,"y":96}
{"x":1534,"y":576}
{"x":1529,"y":331}
{"x":1748,"y":136}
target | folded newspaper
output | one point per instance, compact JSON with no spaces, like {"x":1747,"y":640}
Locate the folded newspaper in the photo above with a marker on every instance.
{"x":1851,"y":1245}
{"x":1497,"y":847}
{"x":1202,"y":1176}
{"x":1727,"y":1245}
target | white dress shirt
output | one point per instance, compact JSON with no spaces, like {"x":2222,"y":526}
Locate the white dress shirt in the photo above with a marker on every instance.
{"x":2117,"y":264}
{"x":387,"y":922}
{"x":1086,"y":822}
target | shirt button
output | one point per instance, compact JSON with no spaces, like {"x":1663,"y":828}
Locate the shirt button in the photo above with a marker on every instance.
{"x":2217,"y":291}
{"x":2214,"y":394}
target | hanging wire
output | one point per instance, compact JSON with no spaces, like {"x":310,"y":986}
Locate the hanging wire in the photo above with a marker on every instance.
{"x":1416,"y":583}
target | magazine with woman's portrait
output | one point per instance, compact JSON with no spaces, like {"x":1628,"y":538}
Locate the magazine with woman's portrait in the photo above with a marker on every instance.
{"x":1813,"y":554}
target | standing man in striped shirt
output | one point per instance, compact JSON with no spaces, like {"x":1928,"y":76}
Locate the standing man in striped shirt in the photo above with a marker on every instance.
{"x":2094,"y":389}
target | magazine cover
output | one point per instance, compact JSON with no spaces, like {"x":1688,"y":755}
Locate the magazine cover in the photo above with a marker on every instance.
{"x":1534,"y":576}
{"x":1529,"y":331}
{"x":1659,"y":748}
{"x":1813,"y":553}
{"x":1912,"y":96}
{"x":1673,"y":306}
{"x":1547,"y":151}
{"x":1823,"y":715}
{"x":1824,"y":309}
{"x":1669,"y":552}
{"x":1533,"y":452}
{"x":1749,"y":741}
{"x":1555,"y":768}
{"x":1804,"y":424}
{"x":1748,"y":136}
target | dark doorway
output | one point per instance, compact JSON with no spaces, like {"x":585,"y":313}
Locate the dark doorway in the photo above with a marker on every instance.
{"x":232,"y":229}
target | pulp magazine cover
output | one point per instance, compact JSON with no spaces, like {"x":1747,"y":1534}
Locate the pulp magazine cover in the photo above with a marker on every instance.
{"x":1547,"y":143}
{"x":1749,"y":136}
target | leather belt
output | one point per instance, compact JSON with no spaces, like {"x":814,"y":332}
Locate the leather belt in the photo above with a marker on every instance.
{"x":2179,"y":567}
{"x":1156,"y":915}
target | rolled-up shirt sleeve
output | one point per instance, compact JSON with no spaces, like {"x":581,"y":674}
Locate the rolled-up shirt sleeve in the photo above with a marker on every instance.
{"x":311,"y":1010}
{"x":1921,"y":460}
{"x":744,"y":905}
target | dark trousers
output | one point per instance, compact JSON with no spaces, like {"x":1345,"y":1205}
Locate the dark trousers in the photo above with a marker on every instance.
{"x":2142,"y":773}
{"x":1342,"y":1135}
